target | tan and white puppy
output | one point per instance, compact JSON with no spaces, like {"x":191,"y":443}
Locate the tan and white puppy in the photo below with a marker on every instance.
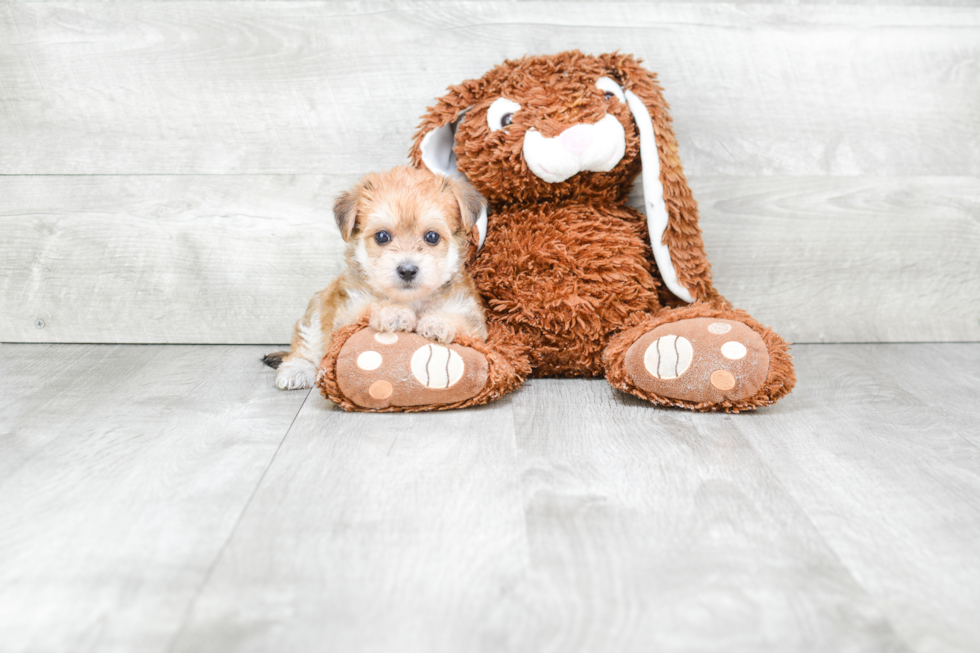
{"x":407,"y":234}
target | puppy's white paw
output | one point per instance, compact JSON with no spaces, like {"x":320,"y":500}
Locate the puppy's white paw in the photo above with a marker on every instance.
{"x":436,"y":328}
{"x":387,"y":318}
{"x":295,"y":374}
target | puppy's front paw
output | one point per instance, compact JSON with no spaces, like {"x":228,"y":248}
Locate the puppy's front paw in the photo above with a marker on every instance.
{"x":435,"y":327}
{"x":388,"y":318}
{"x":295,"y":374}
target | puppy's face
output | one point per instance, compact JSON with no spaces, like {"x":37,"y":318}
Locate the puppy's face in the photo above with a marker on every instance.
{"x":407,"y":245}
{"x":408,"y":230}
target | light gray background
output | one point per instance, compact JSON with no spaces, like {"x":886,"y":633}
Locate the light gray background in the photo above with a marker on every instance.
{"x":166,"y":175}
{"x":169,"y":167}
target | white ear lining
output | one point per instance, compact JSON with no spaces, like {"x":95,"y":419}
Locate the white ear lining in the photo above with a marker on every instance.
{"x":481,"y":227}
{"x":438,"y":156}
{"x":653,"y":196}
{"x":437,"y":151}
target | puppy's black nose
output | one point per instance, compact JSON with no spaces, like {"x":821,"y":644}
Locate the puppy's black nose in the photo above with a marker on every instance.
{"x":407,"y":271}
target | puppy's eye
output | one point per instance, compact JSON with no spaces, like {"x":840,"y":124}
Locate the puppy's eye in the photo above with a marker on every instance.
{"x":382,"y":237}
{"x":609,"y":95}
{"x":501,"y":113}
{"x":432,"y":237}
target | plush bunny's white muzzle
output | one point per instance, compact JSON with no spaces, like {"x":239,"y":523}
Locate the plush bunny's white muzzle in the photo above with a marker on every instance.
{"x":597,"y":147}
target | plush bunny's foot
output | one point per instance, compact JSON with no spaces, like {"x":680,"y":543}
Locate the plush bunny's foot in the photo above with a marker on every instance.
{"x":377,"y":370}
{"x":702,"y":360}
{"x":707,"y":362}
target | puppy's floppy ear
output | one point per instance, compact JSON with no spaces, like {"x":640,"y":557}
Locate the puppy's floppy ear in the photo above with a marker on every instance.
{"x":345,"y":212}
{"x":345,"y":208}
{"x":672,"y":213}
{"x":471,"y":204}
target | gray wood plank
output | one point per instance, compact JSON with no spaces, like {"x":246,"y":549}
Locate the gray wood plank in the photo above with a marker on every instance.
{"x":661,"y":530}
{"x":848,"y":260}
{"x":924,"y":3}
{"x":235,"y":259}
{"x":123,"y":471}
{"x":612,"y":526}
{"x":192,"y":259}
{"x":880,"y":447}
{"x":945,"y":379}
{"x":287,"y":87}
{"x":386,"y":532}
{"x":567,"y":517}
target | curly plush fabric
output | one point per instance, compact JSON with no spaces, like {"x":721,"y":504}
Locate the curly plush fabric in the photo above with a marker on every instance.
{"x":567,"y":271}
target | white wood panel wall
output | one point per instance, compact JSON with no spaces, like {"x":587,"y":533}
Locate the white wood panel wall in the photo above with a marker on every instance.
{"x":167,"y":169}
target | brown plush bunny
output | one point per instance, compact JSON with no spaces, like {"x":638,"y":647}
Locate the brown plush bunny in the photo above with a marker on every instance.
{"x":576,"y":282}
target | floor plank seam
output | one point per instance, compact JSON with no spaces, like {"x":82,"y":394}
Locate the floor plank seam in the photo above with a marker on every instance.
{"x":231,"y":534}
{"x":830,"y":548}
{"x":521,"y":458}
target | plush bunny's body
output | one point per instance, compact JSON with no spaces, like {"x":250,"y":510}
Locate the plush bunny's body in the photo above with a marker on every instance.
{"x":577,"y":283}
{"x":583,"y":273}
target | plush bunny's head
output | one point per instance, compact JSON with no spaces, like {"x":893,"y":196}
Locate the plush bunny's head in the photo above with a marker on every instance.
{"x":564,"y":126}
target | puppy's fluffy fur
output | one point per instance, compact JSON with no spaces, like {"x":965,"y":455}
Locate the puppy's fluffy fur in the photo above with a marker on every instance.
{"x":407,"y":234}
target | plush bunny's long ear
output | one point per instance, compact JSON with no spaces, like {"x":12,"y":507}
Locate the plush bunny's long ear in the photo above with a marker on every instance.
{"x":436,"y":150}
{"x":672,"y":214}
{"x":653,"y":196}
{"x":436,"y":138}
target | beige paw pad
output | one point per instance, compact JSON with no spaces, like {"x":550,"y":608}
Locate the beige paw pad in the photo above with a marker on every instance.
{"x":722,"y":379}
{"x":380,"y":389}
{"x":668,"y":357}
{"x":369,"y":360}
{"x":733,"y":350}
{"x":437,"y":367}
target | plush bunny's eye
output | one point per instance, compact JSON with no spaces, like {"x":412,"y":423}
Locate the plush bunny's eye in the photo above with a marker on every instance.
{"x":611,"y":88}
{"x":501,"y":113}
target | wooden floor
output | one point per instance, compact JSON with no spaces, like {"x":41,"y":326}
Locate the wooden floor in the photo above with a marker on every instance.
{"x":168,"y":498}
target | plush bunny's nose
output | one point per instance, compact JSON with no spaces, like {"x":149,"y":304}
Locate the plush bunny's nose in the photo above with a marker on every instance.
{"x":577,"y":139}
